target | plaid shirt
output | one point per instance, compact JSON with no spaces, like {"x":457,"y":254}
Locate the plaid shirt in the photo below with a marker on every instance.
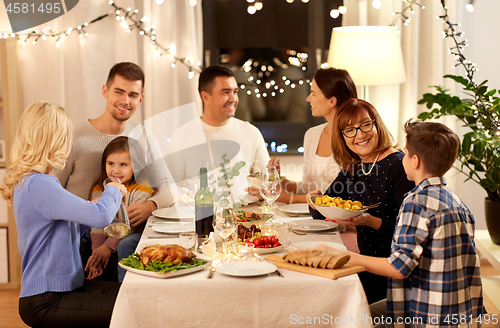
{"x":433,"y":248}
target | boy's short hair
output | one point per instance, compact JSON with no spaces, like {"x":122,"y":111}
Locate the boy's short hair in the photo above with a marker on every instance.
{"x":128,"y":71}
{"x":208,"y":75}
{"x":434,"y":143}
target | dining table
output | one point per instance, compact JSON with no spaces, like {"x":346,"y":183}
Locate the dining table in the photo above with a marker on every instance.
{"x":193,"y":300}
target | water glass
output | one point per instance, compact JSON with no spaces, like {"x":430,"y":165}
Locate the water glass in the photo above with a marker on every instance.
{"x":189,"y":240}
{"x":225,"y":224}
{"x":283,"y":232}
{"x":193,"y":189}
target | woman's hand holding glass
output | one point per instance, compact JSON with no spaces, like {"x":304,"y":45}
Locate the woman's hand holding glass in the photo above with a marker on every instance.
{"x":120,"y":226}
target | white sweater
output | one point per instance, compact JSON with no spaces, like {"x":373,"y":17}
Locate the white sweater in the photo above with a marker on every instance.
{"x":239,"y":140}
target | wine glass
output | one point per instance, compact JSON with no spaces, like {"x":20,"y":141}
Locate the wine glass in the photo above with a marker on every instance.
{"x":270,"y":187}
{"x":225,"y":224}
{"x":193,"y":189}
{"x":120,"y":226}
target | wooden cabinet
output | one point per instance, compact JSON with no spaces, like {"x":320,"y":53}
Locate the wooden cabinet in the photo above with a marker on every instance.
{"x":11,"y":108}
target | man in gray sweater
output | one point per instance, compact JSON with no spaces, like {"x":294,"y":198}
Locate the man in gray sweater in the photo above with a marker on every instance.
{"x":123,"y":92}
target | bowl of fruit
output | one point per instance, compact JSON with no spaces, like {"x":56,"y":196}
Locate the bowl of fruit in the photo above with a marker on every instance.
{"x":337,"y":208}
{"x":248,"y":218}
{"x":263,"y":244}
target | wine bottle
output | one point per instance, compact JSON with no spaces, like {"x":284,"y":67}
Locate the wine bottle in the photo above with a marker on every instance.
{"x":204,"y":207}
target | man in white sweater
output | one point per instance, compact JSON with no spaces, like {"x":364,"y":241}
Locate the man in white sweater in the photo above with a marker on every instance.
{"x":219,"y":91}
{"x":124,"y":93}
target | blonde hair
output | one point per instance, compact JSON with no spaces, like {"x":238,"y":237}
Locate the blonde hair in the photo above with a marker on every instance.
{"x":42,"y":144}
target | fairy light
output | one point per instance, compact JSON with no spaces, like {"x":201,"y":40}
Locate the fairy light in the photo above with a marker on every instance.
{"x":481,"y":102}
{"x":377,"y":4}
{"x":128,"y":20}
{"x":334,"y":13}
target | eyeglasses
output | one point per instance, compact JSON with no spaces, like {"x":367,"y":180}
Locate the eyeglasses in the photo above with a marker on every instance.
{"x":352,"y":131}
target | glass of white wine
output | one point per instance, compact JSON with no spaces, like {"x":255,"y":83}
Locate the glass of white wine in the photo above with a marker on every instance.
{"x":120,"y":226}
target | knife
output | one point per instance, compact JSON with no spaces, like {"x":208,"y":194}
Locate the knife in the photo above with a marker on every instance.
{"x":161,"y":237}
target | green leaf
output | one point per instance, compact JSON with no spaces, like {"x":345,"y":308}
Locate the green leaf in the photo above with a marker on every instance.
{"x":458,"y":79}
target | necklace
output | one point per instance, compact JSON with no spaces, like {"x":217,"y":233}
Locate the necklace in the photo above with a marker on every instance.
{"x":371,"y":168}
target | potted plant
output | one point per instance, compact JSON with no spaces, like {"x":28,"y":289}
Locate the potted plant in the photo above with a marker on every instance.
{"x":479,"y":152}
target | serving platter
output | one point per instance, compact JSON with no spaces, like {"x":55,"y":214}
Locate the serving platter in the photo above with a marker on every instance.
{"x":164,"y":275}
{"x":311,"y":225}
{"x":246,"y":268}
{"x":314,"y":243}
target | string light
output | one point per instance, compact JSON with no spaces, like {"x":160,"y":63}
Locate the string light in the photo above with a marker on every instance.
{"x":129,"y":21}
{"x":377,"y":4}
{"x":334,"y":13}
{"x":479,"y":104}
{"x":402,"y":15}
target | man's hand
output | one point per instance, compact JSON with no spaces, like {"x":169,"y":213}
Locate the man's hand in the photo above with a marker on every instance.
{"x":140,"y":212}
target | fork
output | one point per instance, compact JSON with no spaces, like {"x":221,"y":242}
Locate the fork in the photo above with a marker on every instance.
{"x":212,"y":271}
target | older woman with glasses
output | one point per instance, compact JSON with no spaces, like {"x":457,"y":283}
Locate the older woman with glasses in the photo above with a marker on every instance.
{"x":372,"y":172}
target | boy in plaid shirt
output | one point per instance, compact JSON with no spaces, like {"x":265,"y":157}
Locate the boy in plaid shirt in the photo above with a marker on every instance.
{"x":433,"y":270}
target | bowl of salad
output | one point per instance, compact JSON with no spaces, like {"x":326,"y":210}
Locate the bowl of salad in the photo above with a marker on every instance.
{"x":249,"y":218}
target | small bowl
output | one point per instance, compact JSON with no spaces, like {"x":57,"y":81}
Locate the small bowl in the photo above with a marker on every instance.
{"x":333,"y":212}
{"x":258,"y":223}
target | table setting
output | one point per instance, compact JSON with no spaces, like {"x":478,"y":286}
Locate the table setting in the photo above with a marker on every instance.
{"x":255,"y":282}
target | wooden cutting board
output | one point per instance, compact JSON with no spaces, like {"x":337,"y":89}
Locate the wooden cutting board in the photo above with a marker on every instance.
{"x":327,"y":273}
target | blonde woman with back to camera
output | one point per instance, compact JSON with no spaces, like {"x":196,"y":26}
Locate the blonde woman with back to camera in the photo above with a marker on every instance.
{"x":49,"y":223}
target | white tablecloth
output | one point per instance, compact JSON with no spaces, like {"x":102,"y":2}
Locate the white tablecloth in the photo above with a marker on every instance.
{"x":298,"y":300}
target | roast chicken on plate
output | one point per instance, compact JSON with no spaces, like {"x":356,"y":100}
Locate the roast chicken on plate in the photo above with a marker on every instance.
{"x":166,"y":253}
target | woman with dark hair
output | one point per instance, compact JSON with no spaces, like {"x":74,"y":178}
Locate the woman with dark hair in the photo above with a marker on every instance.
{"x":372,"y":172}
{"x":330,"y":88}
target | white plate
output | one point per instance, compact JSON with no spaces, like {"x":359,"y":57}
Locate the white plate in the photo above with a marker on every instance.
{"x":261,"y":251}
{"x":295,"y":209}
{"x":166,"y":274}
{"x":249,"y":199}
{"x":178,"y":211}
{"x":174,"y":228}
{"x":312,"y":225}
{"x":312,"y":244}
{"x":246,"y":268}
